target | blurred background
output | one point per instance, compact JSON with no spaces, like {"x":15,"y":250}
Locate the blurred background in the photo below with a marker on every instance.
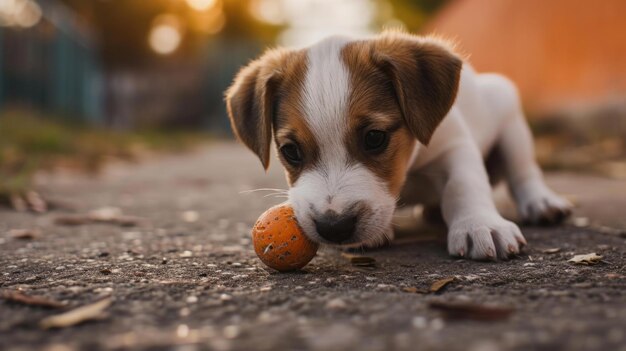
{"x":85,"y":81}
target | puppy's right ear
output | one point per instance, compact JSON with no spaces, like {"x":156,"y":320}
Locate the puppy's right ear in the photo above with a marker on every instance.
{"x":250,"y":100}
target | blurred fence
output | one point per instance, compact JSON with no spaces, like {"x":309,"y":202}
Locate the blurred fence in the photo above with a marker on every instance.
{"x":52,"y":66}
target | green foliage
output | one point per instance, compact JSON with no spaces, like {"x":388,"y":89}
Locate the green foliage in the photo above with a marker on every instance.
{"x":415,"y":13}
{"x":30,"y":142}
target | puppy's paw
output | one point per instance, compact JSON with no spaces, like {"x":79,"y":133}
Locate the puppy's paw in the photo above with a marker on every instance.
{"x":484,"y":237}
{"x":537,"y":204}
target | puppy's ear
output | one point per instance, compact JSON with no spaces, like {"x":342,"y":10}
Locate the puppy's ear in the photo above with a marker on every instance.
{"x":250,"y":101}
{"x":425,"y":76}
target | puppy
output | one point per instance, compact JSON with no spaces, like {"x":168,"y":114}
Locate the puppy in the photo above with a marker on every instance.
{"x":361,"y":124}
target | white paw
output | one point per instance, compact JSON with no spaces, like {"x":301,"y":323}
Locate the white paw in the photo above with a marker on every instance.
{"x":484,"y":237}
{"x":537,"y":204}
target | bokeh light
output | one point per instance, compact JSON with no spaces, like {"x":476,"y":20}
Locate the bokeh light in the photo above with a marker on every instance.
{"x":308,"y":21}
{"x":19,"y":13}
{"x":165,"y":35}
{"x":201,"y":5}
{"x":268,"y":11}
{"x":209,"y":21}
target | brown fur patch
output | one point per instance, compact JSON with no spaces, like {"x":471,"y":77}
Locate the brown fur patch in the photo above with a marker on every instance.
{"x":265,"y":97}
{"x":249,"y":102}
{"x":425,"y":76}
{"x":372,"y":105}
{"x":289,"y":123}
{"x":401,"y":84}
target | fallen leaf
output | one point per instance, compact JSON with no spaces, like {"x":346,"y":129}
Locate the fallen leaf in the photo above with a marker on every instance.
{"x":24,"y":234}
{"x":63,"y":205}
{"x":124,"y":221}
{"x":440,"y":284}
{"x":360,"y":261}
{"x":105,"y":214}
{"x":18,"y":297}
{"x":80,"y":219}
{"x":36,"y":202}
{"x":18,"y":203}
{"x":78,"y":315}
{"x":415,"y":290}
{"x":552,"y":250}
{"x":71,"y":220}
{"x":588,"y":259}
{"x":453,"y":310}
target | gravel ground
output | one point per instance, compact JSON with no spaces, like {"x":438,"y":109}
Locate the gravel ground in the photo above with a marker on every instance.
{"x":187,"y":278}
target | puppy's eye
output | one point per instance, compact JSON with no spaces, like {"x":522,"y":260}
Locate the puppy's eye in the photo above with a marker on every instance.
{"x":292,"y":154}
{"x":376,"y":141}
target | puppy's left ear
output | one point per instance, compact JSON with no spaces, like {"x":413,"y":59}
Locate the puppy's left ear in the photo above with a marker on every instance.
{"x":250,"y":102}
{"x":425,"y":75}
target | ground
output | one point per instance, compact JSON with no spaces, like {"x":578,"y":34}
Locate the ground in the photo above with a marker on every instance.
{"x":186,"y":277}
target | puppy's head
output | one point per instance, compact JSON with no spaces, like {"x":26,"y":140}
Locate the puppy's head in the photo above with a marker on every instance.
{"x":347,"y":118}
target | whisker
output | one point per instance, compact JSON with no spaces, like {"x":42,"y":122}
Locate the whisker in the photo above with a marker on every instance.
{"x":273,"y":194}
{"x":277,"y":196}
{"x":264,"y":189}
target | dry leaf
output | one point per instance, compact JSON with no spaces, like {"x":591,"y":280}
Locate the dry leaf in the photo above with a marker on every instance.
{"x":36,"y":202}
{"x":552,"y":250}
{"x":59,"y":204}
{"x":71,"y":220}
{"x":415,"y":290}
{"x":105,"y":214}
{"x":78,"y":315}
{"x":18,"y":297}
{"x":113,"y":215}
{"x":588,"y":259}
{"x":18,"y":203}
{"x":121,"y":220}
{"x":440,"y":284}
{"x":360,"y":261}
{"x":471,"y":311}
{"x":24,"y":234}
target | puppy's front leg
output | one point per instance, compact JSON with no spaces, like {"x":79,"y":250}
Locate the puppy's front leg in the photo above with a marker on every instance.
{"x":475,"y":228}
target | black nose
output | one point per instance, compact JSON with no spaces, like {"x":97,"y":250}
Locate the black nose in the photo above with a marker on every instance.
{"x":334,"y":227}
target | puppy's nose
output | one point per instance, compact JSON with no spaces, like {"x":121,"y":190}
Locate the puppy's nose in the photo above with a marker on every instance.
{"x":334,"y":227}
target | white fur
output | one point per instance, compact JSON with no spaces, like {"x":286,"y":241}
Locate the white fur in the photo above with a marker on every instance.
{"x":336,"y":184}
{"x":449,"y":172}
{"x":487,"y":112}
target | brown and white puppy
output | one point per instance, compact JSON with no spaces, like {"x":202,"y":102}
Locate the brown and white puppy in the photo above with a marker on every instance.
{"x":361,"y":123}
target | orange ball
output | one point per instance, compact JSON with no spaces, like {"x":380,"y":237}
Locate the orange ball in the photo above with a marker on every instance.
{"x":280,"y":242}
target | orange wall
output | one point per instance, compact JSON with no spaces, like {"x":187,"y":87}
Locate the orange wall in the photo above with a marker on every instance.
{"x":561,"y":53}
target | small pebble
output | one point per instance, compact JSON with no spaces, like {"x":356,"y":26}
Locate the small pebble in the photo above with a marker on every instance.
{"x":231,"y":331}
{"x":182,"y":331}
{"x":419,"y":322}
{"x":336,"y":304}
{"x":190,"y":216}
